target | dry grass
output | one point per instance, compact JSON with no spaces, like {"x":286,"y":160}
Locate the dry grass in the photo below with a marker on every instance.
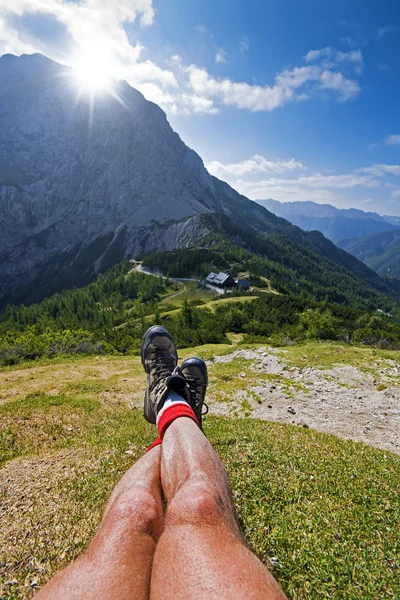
{"x":330,"y":354}
{"x":40,"y":521}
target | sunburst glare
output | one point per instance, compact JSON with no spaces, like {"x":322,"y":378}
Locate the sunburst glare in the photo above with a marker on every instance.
{"x":93,"y":73}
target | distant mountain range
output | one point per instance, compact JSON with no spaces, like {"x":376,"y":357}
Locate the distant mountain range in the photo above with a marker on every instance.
{"x":336,"y":224}
{"x":81,"y":189}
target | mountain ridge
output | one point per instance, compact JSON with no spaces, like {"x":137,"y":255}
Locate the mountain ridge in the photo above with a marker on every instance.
{"x":380,"y":251}
{"x":81,"y":191}
{"x":336,"y":224}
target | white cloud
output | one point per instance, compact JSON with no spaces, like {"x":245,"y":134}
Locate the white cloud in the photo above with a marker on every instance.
{"x":285,"y":192}
{"x":347,"y":89}
{"x":244,"y":45}
{"x":97,"y":27}
{"x":393,"y":140}
{"x":324,"y":188}
{"x":220,"y":57}
{"x":353,"y":57}
{"x":147,"y":71}
{"x":346,"y":181}
{"x":379,"y":170}
{"x":201,"y":29}
{"x":349,"y":41}
{"x":320,"y":181}
{"x":199,"y":104}
{"x":177,"y":102}
{"x":316,"y":55}
{"x":156,"y":94}
{"x":10,"y":41}
{"x":290,"y":85}
{"x":331,"y":58}
{"x":256,"y":164}
{"x":92,"y":26}
{"x":385,"y":30}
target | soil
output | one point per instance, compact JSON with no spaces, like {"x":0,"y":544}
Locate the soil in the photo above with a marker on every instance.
{"x":343,"y":400}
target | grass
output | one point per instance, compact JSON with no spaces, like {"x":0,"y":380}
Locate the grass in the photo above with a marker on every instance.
{"x":171,"y":302}
{"x":322,"y":512}
{"x":229,"y":378}
{"x":327,"y":355}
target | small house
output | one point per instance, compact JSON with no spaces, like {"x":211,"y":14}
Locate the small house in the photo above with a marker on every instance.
{"x":221,"y":280}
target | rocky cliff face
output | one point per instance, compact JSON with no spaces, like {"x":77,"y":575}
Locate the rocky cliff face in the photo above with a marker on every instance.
{"x":77,"y":179}
{"x":89,"y":174}
{"x":84,"y":186}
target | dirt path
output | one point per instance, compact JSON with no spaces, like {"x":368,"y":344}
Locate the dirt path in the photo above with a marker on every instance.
{"x":184,"y":289}
{"x":343,"y":400}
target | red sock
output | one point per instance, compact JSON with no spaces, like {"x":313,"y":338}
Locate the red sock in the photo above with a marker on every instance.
{"x":180,"y":409}
{"x":154,"y":444}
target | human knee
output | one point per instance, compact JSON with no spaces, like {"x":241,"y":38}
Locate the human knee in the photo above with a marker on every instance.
{"x":138,"y":509}
{"x":196,"y":503}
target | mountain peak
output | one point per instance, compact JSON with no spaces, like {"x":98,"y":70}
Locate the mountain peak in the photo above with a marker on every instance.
{"x":84,"y":185}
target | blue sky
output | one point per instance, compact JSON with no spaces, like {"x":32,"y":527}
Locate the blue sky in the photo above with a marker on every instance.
{"x":283,"y":99}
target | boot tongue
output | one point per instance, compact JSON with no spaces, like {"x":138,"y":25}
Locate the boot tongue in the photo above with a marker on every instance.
{"x":176,"y":383}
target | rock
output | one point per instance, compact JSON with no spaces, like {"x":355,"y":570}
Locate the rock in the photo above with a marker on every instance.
{"x":291,"y":410}
{"x":100,"y":188}
{"x":274,"y":562}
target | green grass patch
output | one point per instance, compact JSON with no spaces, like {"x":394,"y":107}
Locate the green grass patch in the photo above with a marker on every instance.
{"x":321,"y":512}
{"x":87,"y":387}
{"x":326,"y":510}
{"x":327,"y":355}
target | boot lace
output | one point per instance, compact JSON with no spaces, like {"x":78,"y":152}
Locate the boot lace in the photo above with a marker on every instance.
{"x":162,"y":365}
{"x":194,"y":391}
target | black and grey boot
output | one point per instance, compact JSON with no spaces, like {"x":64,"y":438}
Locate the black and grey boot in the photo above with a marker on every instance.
{"x":194,"y":371}
{"x":160,"y":361}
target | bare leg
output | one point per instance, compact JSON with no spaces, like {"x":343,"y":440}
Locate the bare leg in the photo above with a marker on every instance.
{"x":117,"y":564}
{"x":201,"y":553}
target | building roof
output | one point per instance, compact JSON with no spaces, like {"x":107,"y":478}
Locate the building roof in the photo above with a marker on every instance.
{"x":243,"y":283}
{"x":218,"y":278}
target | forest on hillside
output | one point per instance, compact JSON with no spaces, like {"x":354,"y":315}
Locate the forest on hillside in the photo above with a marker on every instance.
{"x":111,"y":315}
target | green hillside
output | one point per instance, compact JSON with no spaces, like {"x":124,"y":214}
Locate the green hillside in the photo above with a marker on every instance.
{"x":312,"y":299}
{"x":381,"y":252}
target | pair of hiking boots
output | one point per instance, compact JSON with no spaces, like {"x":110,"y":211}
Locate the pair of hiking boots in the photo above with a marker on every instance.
{"x":160,"y":361}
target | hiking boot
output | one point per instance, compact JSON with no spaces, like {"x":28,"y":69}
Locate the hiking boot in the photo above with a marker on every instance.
{"x":194,"y":371}
{"x":160,"y":360}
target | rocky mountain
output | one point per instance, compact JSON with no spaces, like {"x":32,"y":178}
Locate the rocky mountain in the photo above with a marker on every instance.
{"x":83,"y":186}
{"x":336,"y":224}
{"x":392,"y":220}
{"x":380,"y":251}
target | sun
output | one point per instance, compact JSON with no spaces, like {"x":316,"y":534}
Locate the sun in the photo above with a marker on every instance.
{"x":93,"y":72}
